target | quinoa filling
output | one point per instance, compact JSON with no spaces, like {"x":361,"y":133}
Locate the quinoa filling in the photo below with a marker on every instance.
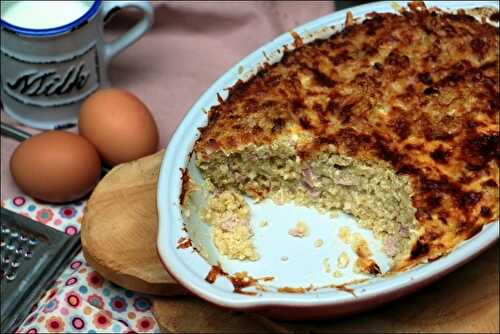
{"x":374,"y":194}
{"x":229,"y":216}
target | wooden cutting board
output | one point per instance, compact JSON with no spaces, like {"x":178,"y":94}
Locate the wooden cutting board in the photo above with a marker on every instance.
{"x":119,"y":228}
{"x":119,"y":236}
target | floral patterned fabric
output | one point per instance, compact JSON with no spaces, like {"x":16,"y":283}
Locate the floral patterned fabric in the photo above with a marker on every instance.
{"x":81,"y":301}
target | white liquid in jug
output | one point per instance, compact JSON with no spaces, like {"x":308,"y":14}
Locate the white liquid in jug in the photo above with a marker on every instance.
{"x":43,"y":14}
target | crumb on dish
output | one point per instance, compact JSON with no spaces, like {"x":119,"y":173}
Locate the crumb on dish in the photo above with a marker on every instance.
{"x":343,"y":260}
{"x":366,"y":266}
{"x":318,"y":243}
{"x":300,"y":230}
{"x":360,"y":246}
{"x":326,"y":265}
{"x":364,"y":263}
{"x":345,"y":234}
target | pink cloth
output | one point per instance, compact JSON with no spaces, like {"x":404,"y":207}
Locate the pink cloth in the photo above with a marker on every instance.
{"x":190,"y":46}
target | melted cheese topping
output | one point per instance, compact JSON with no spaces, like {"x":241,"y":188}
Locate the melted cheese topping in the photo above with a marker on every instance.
{"x":417,"y":91}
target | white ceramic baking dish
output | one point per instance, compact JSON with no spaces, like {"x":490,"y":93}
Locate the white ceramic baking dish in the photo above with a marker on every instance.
{"x":190,"y":269}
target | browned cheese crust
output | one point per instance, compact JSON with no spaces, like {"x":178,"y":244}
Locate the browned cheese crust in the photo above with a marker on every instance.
{"x":419,"y":91}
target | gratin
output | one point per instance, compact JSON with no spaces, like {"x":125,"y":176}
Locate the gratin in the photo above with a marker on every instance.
{"x":393,"y":120}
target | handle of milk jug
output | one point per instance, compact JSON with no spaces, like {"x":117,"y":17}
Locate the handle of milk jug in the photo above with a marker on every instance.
{"x":111,"y":49}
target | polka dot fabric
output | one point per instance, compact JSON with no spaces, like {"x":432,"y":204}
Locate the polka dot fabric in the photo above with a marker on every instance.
{"x":81,"y":301}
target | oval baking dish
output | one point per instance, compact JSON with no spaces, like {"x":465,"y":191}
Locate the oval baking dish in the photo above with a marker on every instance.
{"x":190,"y":269}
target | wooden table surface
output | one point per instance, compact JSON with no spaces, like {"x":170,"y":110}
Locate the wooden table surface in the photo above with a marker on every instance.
{"x":465,"y":301}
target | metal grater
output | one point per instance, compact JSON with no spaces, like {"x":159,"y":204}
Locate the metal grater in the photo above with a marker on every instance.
{"x":32,"y":255}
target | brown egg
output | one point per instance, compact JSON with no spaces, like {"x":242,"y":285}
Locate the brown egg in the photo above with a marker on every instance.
{"x":56,"y":166}
{"x":119,"y":125}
